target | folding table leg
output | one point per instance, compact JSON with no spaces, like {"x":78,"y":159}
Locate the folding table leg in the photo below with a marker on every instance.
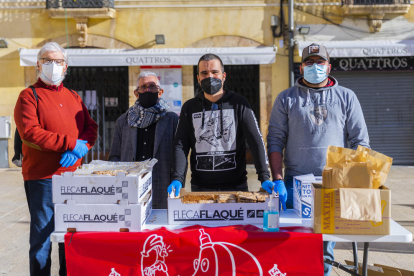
{"x":365,"y":259}
{"x":355,"y":250}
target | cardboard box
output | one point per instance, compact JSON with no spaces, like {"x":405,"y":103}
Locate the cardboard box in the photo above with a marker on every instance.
{"x":216,"y":213}
{"x":326,"y":214}
{"x":302,"y":195}
{"x":102,"y":217}
{"x":100,"y":189}
{"x":382,"y":270}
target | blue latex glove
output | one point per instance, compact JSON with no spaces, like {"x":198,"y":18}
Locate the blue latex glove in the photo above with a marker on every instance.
{"x":281,"y":188}
{"x":268,"y":186}
{"x":68,"y":159}
{"x":175,"y":185}
{"x":80,"y":149}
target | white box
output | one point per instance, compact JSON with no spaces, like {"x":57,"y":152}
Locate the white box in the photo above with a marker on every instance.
{"x":102,"y":217}
{"x":216,"y":213}
{"x":302,"y":194}
{"x":96,"y":189}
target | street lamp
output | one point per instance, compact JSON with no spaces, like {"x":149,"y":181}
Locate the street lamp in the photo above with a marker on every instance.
{"x":304,"y":30}
{"x":159,"y":39}
{"x":3,"y":43}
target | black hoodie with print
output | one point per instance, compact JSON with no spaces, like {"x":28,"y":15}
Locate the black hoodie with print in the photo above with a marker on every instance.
{"x":217,"y":139}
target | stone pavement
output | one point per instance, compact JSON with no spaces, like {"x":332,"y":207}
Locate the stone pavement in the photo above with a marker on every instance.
{"x":14,"y":224}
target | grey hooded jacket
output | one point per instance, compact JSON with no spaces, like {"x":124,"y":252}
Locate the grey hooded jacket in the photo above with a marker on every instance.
{"x":305,"y":121}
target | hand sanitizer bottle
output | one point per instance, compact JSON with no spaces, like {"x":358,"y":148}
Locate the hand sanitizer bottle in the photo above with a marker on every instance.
{"x":271,"y":217}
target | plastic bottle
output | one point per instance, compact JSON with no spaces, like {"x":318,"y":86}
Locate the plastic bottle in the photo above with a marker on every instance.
{"x":271,"y":217}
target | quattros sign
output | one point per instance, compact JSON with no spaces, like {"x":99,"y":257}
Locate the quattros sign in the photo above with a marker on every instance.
{"x":372,"y":63}
{"x":157,"y":57}
{"x":383,"y":51}
{"x":364,"y":48}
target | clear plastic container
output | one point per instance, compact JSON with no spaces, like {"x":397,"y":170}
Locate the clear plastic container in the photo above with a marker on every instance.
{"x":271,"y":217}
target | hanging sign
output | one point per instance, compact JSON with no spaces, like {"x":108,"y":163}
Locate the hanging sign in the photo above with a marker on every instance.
{"x":373,"y":64}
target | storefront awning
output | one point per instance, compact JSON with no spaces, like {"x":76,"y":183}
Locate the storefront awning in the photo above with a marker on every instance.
{"x":171,"y":56}
{"x":373,"y":48}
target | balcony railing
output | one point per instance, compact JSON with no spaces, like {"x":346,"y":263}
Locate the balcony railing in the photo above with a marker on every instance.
{"x":88,"y":4}
{"x":374,"y":2}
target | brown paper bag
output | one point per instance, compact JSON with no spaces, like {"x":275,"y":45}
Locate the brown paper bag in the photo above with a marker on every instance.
{"x":360,"y":204}
{"x":381,"y":165}
{"x":338,"y":155}
{"x":352,"y":175}
{"x":327,"y":178}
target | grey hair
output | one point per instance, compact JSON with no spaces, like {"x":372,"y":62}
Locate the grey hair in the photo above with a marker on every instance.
{"x":146,"y":74}
{"x":52,"y":47}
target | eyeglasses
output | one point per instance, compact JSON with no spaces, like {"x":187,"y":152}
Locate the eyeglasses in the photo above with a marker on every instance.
{"x":152,"y":88}
{"x":48,"y":61}
{"x":310,"y":62}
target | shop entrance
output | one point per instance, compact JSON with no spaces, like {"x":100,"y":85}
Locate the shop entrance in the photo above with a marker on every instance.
{"x":244,"y":80}
{"x":104,"y":90}
{"x":387,"y":103}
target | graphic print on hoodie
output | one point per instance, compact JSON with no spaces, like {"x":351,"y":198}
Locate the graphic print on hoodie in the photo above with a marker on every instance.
{"x":216,"y":138}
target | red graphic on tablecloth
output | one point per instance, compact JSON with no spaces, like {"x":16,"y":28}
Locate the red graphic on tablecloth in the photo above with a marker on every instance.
{"x":114,"y":273}
{"x":153,"y":257}
{"x":196,"y":251}
{"x":276,"y":272}
{"x":208,"y":262}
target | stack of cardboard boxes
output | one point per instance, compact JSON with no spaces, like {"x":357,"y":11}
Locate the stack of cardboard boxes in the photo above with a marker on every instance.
{"x":101,"y":202}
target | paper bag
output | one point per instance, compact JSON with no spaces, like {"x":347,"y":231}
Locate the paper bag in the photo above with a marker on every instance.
{"x":352,"y":175}
{"x":327,"y":178}
{"x":381,"y":165}
{"x":338,"y":155}
{"x":360,"y":204}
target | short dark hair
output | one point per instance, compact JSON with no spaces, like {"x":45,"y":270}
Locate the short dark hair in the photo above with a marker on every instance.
{"x":208,"y":57}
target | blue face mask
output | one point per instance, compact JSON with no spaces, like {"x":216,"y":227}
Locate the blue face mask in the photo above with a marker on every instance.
{"x":315,"y":74}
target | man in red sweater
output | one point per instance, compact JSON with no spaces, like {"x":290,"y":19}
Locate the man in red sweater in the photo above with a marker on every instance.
{"x":57,"y":132}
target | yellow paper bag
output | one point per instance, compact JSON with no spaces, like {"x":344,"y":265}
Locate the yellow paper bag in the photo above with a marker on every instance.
{"x":381,"y":165}
{"x":358,"y":204}
{"x":352,"y":175}
{"x":327,"y":178}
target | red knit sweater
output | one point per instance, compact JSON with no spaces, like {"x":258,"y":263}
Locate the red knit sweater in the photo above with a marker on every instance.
{"x":50,"y":127}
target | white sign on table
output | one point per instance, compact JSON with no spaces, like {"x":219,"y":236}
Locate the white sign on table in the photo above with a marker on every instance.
{"x":171,"y":81}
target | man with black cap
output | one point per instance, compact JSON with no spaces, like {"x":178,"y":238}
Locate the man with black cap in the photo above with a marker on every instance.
{"x":307,"y":118}
{"x":215,"y":125}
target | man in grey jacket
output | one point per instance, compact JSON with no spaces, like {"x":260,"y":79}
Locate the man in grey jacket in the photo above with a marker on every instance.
{"x":147,"y":131}
{"x":309,"y":117}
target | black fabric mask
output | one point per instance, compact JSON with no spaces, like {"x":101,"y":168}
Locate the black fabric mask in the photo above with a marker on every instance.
{"x":148,"y":99}
{"x":211,"y":85}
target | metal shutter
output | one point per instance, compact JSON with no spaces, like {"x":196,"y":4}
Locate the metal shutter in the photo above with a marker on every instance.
{"x":387,"y":100}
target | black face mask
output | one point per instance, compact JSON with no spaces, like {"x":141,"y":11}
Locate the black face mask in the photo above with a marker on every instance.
{"x":211,"y":85}
{"x":148,"y":99}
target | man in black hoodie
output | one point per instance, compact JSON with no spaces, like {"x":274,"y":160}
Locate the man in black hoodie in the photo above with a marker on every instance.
{"x":215,"y":125}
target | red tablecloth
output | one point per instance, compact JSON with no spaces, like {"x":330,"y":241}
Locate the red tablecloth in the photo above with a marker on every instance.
{"x":196,"y":250}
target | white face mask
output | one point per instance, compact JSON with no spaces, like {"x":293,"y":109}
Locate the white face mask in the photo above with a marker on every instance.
{"x":52,"y":73}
